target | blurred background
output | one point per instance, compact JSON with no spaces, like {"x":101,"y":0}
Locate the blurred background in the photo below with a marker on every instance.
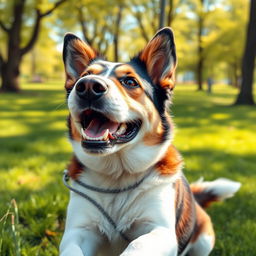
{"x":210,"y":35}
{"x":213,"y":106}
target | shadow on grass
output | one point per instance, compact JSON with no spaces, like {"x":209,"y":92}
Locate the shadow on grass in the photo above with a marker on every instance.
{"x":37,"y":146}
{"x":42,"y":214}
{"x":215,"y":163}
{"x":201,"y":115}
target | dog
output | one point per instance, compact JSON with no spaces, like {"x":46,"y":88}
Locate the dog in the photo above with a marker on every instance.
{"x":129,"y":196}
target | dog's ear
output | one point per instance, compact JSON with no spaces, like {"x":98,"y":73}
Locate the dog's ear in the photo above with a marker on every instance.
{"x":159,"y":56}
{"x":76,"y":56}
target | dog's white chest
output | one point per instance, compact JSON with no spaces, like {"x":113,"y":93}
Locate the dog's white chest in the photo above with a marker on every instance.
{"x":151,"y":202}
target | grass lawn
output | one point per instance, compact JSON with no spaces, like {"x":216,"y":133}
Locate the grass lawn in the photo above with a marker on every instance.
{"x":215,"y":139}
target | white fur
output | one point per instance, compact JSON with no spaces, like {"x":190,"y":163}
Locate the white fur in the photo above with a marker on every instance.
{"x":146,"y":214}
{"x":153,"y":243}
{"x":133,"y":156}
{"x":222,"y":188}
{"x":110,"y":65}
{"x":69,"y":69}
{"x":116,"y":108}
{"x":133,"y":159}
{"x":202,"y":247}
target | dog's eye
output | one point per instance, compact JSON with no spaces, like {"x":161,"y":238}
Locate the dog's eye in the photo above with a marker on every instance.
{"x":130,"y":82}
{"x":86,"y":73}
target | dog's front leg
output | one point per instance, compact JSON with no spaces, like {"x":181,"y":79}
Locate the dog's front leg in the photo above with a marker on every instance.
{"x":160,"y":241}
{"x":79,"y":242}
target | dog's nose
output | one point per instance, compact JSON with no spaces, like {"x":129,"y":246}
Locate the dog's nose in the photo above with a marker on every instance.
{"x":91,"y":89}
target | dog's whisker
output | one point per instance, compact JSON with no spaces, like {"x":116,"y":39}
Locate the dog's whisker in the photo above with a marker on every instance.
{"x":59,"y":106}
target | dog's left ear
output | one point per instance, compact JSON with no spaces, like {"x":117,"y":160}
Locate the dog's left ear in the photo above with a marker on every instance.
{"x":77,"y":55}
{"x":160,"y":59}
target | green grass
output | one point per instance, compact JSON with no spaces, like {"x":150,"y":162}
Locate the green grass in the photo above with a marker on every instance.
{"x":215,"y":139}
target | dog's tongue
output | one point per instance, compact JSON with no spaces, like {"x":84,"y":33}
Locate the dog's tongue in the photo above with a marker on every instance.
{"x":97,"y":128}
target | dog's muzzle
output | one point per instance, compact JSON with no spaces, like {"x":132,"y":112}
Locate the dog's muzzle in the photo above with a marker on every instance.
{"x":99,"y":129}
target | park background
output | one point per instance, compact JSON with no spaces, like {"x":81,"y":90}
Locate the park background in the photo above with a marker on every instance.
{"x":215,"y":130}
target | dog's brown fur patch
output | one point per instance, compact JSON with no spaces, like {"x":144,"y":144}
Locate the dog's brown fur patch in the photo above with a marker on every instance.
{"x":170,"y":163}
{"x":75,"y":168}
{"x":203,"y":224}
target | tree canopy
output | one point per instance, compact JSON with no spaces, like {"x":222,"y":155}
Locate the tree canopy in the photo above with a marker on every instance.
{"x":210,"y":35}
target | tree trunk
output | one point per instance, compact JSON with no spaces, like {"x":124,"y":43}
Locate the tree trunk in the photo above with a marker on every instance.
{"x":10,"y":69}
{"x":245,"y":96}
{"x":138,"y":15}
{"x":117,"y":33}
{"x":235,"y":74}
{"x":162,"y":14}
{"x":170,"y":16}
{"x":200,"y":63}
{"x":84,"y":26}
{"x":200,"y":74}
{"x":1,"y":63}
{"x":10,"y":77}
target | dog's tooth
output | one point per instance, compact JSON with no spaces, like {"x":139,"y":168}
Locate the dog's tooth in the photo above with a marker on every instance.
{"x":122,"y":129}
{"x":105,"y":135}
{"x":85,"y":136}
{"x":83,"y":133}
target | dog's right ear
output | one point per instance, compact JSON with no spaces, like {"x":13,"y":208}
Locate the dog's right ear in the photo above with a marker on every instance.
{"x":159,"y":57}
{"x":76,"y":56}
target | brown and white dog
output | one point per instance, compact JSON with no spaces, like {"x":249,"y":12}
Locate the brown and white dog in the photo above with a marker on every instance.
{"x":121,"y":134}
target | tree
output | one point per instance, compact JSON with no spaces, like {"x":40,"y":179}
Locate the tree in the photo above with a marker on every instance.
{"x":150,"y":10}
{"x":224,"y":48}
{"x":198,"y":10}
{"x":33,"y":66}
{"x":245,"y":97}
{"x":172,"y":8}
{"x":216,"y":36}
{"x":200,"y":62}
{"x":202,"y":11}
{"x":15,"y":47}
{"x":117,"y":31}
{"x":162,"y":13}
{"x":100,"y":23}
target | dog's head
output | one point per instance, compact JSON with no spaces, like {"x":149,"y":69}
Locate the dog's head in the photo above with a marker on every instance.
{"x":119,"y":108}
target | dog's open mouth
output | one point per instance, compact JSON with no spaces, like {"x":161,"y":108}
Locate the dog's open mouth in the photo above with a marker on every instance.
{"x":99,"y":131}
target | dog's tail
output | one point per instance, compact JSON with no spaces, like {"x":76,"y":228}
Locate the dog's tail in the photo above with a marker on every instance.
{"x":207,"y":192}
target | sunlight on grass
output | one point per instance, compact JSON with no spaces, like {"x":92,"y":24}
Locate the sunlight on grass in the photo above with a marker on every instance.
{"x":215,"y":139}
{"x":9,"y":127}
{"x":220,"y":116}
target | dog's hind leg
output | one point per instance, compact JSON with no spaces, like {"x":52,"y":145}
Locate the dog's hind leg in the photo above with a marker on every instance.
{"x":202,"y":246}
{"x":202,"y":241}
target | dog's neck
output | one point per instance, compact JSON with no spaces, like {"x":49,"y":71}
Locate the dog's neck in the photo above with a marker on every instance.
{"x":133,"y":162}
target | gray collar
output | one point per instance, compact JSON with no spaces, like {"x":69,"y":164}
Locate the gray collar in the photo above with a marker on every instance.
{"x":106,"y":190}
{"x":66,"y":178}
